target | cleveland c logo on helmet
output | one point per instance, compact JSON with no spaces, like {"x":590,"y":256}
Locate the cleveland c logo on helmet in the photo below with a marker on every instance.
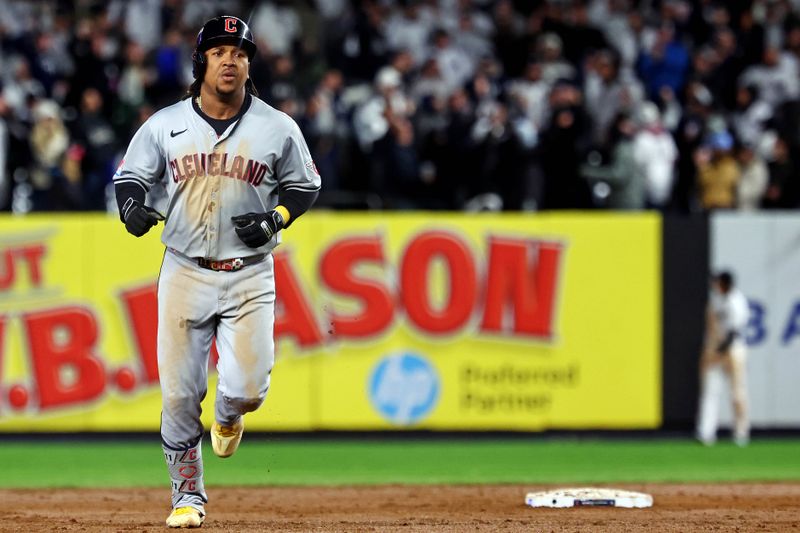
{"x":218,"y":31}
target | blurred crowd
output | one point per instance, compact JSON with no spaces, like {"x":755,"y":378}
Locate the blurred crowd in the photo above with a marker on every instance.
{"x":676,"y":105}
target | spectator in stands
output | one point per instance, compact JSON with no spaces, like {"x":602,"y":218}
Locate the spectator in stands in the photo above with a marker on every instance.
{"x":332,"y":10}
{"x":95,"y":50}
{"x":774,"y":16}
{"x":776,"y":78}
{"x":406,"y":29}
{"x":503,"y":147}
{"x":140,"y":20}
{"x":718,"y":173}
{"x":323,"y":126}
{"x":619,"y":184}
{"x":361,"y":48}
{"x":136,"y":77}
{"x":750,"y":115}
{"x":608,"y":93}
{"x":457,"y":161}
{"x":700,"y":62}
{"x":750,"y":38}
{"x":455,"y":65}
{"x":98,"y":142}
{"x":531,"y":93}
{"x":665,"y":64}
{"x":783,"y":191}
{"x":510,"y":40}
{"x":621,"y":25}
{"x":169,"y":68}
{"x":704,"y":67}
{"x":581,"y":38}
{"x":18,"y":157}
{"x":50,"y":59}
{"x":384,"y":131}
{"x":689,"y":135}
{"x":281,"y":86}
{"x":554,"y":67}
{"x":753,"y":179}
{"x":55,"y":174}
{"x":473,"y":32}
{"x":655,"y":154}
{"x":21,"y":87}
{"x":728,"y":69}
{"x":403,"y":62}
{"x":562,"y":147}
{"x":276,"y":24}
{"x":793,"y":38}
{"x":5,"y":180}
{"x":429,"y":84}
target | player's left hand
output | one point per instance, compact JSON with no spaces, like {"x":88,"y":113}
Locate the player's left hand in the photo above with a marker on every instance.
{"x":257,"y":229}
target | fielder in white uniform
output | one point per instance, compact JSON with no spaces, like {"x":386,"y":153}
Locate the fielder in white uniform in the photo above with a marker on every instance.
{"x":233,"y":172}
{"x":724,"y":354}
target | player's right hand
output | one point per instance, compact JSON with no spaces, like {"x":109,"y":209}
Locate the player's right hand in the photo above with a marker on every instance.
{"x":139,"y":218}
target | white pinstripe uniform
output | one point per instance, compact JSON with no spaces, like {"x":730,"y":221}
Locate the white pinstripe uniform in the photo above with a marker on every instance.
{"x":729,"y":314}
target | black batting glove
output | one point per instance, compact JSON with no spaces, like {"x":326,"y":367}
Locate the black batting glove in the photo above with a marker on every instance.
{"x":138,"y":217}
{"x":257,"y":229}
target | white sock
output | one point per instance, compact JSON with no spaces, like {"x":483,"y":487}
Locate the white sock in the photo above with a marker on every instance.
{"x":708,"y":408}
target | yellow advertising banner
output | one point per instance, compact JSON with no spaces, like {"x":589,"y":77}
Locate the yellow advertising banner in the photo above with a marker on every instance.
{"x":383,"y":321}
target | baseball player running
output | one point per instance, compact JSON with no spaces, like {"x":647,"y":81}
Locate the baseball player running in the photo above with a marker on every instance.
{"x":234,"y":172}
{"x":725,"y":353}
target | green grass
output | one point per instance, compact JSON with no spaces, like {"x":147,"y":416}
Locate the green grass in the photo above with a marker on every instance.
{"x":327,"y":462}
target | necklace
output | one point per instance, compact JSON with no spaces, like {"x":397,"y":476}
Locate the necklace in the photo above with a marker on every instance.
{"x":200,"y":102}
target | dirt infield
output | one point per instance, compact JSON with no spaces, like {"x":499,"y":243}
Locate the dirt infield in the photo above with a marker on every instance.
{"x":724,"y":507}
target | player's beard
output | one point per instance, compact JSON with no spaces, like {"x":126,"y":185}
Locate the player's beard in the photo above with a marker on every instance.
{"x":227,"y":91}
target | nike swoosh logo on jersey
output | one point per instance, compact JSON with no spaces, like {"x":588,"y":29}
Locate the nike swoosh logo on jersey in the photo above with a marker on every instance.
{"x":173,"y":133}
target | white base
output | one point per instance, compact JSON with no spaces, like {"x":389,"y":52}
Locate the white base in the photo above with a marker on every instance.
{"x":589,"y":496}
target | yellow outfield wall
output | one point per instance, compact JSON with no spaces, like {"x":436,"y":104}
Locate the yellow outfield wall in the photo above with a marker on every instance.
{"x":383,"y":321}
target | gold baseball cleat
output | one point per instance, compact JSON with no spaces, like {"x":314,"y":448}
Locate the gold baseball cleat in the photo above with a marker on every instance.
{"x":225,"y":439}
{"x":185,"y":517}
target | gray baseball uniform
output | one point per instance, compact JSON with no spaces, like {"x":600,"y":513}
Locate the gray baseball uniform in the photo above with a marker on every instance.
{"x":211,"y":284}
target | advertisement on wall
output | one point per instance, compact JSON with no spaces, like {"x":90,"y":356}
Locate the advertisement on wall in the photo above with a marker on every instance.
{"x":403,"y":321}
{"x":762,"y":252}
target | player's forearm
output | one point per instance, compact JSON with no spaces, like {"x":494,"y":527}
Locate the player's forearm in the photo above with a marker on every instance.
{"x":726,"y":343}
{"x":296,"y":202}
{"x":126,"y":190}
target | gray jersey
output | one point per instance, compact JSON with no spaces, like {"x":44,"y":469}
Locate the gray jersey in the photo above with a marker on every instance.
{"x":207,"y":179}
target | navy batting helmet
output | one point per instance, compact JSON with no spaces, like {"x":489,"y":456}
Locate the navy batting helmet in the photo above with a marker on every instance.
{"x":218,"y":31}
